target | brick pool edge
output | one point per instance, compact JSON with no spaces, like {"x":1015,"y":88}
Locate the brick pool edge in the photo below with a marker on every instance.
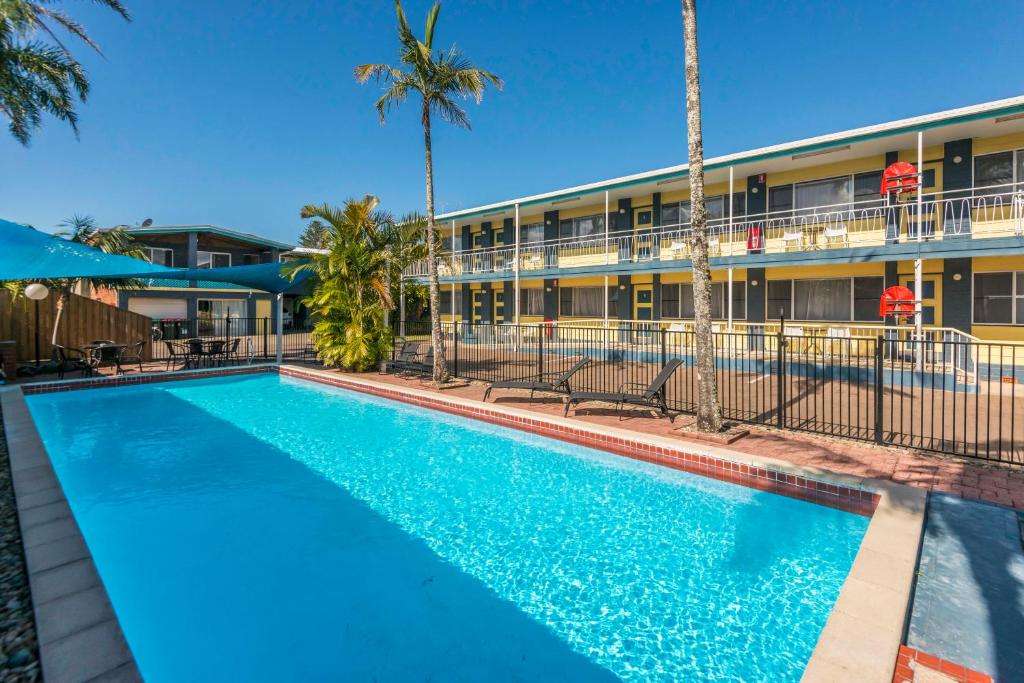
{"x":860,"y":641}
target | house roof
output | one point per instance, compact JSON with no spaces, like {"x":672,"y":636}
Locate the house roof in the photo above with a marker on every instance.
{"x":968,"y":121}
{"x":212,"y":230}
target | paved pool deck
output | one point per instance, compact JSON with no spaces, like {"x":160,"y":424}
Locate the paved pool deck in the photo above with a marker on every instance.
{"x":958,"y":476}
{"x":968,"y":602}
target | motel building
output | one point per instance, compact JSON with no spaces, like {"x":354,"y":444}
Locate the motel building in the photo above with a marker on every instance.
{"x":801,"y":230}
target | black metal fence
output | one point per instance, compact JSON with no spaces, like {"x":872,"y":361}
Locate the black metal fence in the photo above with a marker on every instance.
{"x":955,"y":397}
{"x":258,"y":336}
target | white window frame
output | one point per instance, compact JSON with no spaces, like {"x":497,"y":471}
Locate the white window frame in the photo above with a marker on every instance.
{"x":163,"y":249}
{"x":850,"y":204}
{"x":244,"y":307}
{"x":1016,"y":156}
{"x":211,"y":254}
{"x":1013,"y":296}
{"x":573,"y":289}
{"x":524,"y":300}
{"x":525,"y":227}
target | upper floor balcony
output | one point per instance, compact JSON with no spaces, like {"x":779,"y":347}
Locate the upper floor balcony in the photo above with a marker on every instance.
{"x":968,"y":214}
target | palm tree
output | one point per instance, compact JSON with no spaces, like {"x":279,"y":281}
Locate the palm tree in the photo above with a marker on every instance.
{"x":353,"y":294}
{"x":440,"y":78}
{"x":709,"y":410}
{"x":37,"y":77}
{"x":82,"y":229}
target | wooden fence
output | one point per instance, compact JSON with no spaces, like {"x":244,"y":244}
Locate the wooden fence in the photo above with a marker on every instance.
{"x":83,"y":320}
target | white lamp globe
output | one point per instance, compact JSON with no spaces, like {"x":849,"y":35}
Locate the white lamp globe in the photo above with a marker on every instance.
{"x":36,"y":291}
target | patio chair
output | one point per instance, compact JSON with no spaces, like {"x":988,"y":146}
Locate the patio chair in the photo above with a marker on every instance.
{"x":176,"y":353}
{"x":559,"y":384}
{"x":426,"y":362}
{"x":837,"y":233}
{"x":793,"y":236}
{"x":408,"y":356}
{"x":70,"y":358}
{"x":132,"y":354}
{"x":651,"y":397}
{"x":230,"y":352}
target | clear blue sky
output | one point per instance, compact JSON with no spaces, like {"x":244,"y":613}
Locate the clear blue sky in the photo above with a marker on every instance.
{"x":237,"y":113}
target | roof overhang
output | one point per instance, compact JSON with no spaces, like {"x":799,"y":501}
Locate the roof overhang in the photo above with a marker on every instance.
{"x":999,"y":117}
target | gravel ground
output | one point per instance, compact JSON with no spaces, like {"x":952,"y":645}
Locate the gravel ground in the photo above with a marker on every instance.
{"x":19,"y":653}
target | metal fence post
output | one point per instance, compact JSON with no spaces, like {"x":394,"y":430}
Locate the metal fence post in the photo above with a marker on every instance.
{"x":780,"y":380}
{"x":266,"y":325}
{"x":664,"y":359}
{"x":879,"y":412}
{"x":455,"y":349}
{"x":540,"y":350}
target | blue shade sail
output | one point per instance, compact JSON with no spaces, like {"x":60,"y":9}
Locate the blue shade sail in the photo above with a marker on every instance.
{"x":28,"y":254}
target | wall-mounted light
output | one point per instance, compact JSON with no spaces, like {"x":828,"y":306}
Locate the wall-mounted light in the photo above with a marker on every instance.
{"x":622,"y":286}
{"x":957,"y":159}
{"x":622,"y":211}
{"x":958,"y":277}
{"x":566,"y":201}
{"x":754,"y":190}
{"x":547,"y":222}
{"x":547,"y":289}
{"x":753,"y":283}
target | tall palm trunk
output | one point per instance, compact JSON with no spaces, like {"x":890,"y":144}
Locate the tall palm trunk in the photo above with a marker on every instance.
{"x":436,"y":337}
{"x":62,"y":301}
{"x":709,"y":411}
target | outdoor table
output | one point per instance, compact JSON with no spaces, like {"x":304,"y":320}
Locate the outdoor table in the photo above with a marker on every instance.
{"x":105,"y":352}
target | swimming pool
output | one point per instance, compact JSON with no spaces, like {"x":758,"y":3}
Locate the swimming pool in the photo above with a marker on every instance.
{"x":268,"y":528}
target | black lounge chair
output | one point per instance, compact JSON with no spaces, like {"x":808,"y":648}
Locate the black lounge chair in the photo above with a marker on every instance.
{"x":558,"y":384}
{"x":652,"y":397}
{"x":132,"y":354}
{"x":408,"y":356}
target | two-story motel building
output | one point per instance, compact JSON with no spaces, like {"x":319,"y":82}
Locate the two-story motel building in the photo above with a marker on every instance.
{"x":798,"y":229}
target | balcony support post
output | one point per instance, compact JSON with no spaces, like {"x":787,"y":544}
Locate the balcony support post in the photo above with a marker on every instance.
{"x":515,"y":274}
{"x":728,"y":293}
{"x":918,"y":308}
{"x":606,"y":258}
{"x":455,"y":260}
{"x":728,"y":299}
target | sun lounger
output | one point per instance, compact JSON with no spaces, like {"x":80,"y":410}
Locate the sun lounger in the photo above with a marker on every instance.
{"x":652,"y":397}
{"x":558,"y":384}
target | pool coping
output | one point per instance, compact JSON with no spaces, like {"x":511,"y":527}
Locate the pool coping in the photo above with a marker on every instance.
{"x":860,"y":640}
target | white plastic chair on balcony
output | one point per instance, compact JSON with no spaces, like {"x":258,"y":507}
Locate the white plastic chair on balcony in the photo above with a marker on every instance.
{"x":679,"y":248}
{"x":837,"y":233}
{"x":714,"y":245}
{"x":533,"y":262}
{"x":833,"y":334}
{"x":793,"y":236}
{"x":677,"y":327}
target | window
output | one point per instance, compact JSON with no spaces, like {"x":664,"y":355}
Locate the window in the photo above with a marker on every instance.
{"x":449,"y":240}
{"x":679,"y":213}
{"x":212,"y":259}
{"x":821,"y":299}
{"x":998,"y":171}
{"x":584,"y":226}
{"x":220,"y":308}
{"x":675,"y":213}
{"x":867,"y":292}
{"x":581,"y":302}
{"x":839,"y":299}
{"x":445,"y":297}
{"x":780,"y":299}
{"x":998,"y":298}
{"x":677,"y":301}
{"x":250,"y":259}
{"x":531,"y":301}
{"x":531,"y":232}
{"x":161,"y":257}
{"x":821,"y":193}
{"x":780,"y":199}
{"x":867,"y":190}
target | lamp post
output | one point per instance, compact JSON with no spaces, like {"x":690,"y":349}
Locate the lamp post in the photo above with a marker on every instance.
{"x":37,"y":292}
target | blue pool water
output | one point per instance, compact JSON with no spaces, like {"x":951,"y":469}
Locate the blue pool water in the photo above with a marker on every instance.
{"x":266,"y":529}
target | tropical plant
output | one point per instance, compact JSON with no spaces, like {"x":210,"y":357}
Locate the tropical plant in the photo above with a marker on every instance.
{"x":709,"y":410}
{"x":82,"y":229}
{"x":314,"y":235}
{"x":39,"y":77}
{"x":440,"y":78}
{"x":352,"y":292}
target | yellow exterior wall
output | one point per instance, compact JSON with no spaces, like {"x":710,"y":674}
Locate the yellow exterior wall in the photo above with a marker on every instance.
{"x":822,"y":171}
{"x":262,"y":308}
{"x":1000,"y":143}
{"x":824,"y":272}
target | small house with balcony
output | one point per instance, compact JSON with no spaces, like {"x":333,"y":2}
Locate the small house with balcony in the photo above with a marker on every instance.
{"x":204,"y":246}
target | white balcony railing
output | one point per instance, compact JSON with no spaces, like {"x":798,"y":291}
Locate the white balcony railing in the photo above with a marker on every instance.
{"x":971,"y":213}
